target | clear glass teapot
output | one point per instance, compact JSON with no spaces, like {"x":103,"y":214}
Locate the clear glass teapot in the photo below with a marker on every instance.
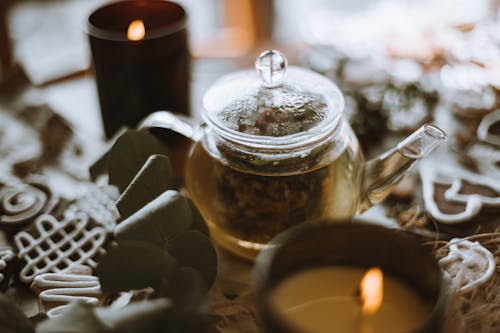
{"x":275,"y":151}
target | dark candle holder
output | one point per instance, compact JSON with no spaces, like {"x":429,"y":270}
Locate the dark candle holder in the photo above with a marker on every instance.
{"x":137,"y":77}
{"x":307,"y":246}
{"x":5,"y":44}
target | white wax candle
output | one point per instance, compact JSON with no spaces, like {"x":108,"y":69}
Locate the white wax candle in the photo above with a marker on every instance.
{"x":324,"y":300}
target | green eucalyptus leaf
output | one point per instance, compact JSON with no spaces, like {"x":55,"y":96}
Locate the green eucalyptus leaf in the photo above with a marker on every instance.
{"x":133,"y":265}
{"x":128,"y":155}
{"x":153,"y":179}
{"x":146,"y":316}
{"x":12,"y":319}
{"x":198,"y":220}
{"x":79,"y":317}
{"x":100,"y":166}
{"x":194,"y":249}
{"x":160,"y":220}
{"x":186,"y":287}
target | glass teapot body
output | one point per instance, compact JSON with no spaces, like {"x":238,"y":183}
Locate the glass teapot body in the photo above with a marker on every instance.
{"x":248,"y":194}
{"x":277,"y":152}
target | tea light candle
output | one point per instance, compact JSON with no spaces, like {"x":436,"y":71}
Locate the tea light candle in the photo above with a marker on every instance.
{"x":349,"y":277}
{"x":141,"y":60}
{"x":325,"y":300}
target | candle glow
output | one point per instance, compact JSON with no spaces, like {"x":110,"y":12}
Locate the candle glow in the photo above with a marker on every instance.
{"x":136,"y":30}
{"x":372,"y":291}
{"x":329,"y":299}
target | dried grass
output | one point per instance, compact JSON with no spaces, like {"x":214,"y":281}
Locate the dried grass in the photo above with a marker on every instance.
{"x":477,"y":310}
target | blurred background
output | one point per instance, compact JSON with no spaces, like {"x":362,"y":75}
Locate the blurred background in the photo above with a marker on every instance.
{"x":395,"y":60}
{"x":38,"y":33}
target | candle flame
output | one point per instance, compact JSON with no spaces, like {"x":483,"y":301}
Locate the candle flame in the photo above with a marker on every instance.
{"x":371,"y":291}
{"x":136,"y":30}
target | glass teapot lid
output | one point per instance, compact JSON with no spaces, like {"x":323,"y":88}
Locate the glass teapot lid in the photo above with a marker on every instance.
{"x":276,"y":105}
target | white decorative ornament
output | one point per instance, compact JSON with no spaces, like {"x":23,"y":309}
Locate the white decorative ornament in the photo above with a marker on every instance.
{"x":59,"y":245}
{"x":98,"y":202}
{"x":60,"y":289}
{"x":6,"y":255}
{"x":455,"y":179}
{"x":21,"y":204}
{"x":483,"y":131}
{"x":487,"y":159}
{"x":468,"y":264}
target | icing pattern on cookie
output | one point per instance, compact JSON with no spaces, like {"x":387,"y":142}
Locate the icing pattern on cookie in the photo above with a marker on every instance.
{"x":6,"y":255}
{"x":468,"y":264}
{"x":19,"y":205}
{"x":99,"y":203}
{"x":64,"y":288}
{"x":487,"y":159}
{"x":59,"y":245}
{"x":483,"y":131}
{"x":455,"y":179}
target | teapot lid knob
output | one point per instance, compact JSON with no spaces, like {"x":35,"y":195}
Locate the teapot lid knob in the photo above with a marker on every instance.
{"x":271,"y":67}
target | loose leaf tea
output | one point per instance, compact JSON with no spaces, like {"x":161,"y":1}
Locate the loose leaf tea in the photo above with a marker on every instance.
{"x":251,"y":200}
{"x":281,"y":111}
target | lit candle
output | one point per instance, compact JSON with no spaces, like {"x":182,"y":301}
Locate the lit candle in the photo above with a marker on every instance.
{"x":141,"y":60}
{"x":326,"y":299}
{"x":136,"y":30}
{"x":349,"y":277}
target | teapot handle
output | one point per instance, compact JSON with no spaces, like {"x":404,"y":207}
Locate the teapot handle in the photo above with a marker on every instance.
{"x":179,"y":124}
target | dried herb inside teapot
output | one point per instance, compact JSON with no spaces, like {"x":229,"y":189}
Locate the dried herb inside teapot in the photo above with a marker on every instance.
{"x":254,"y":197}
{"x":278,"y":112}
{"x":257,"y":207}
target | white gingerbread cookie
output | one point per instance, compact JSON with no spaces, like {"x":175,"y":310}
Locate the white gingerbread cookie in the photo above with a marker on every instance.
{"x":489,"y":127}
{"x":6,"y":256}
{"x":486,"y":158}
{"x":468,"y":264}
{"x":57,"y":290}
{"x":482,"y":192}
{"x":57,"y":245}
{"x":98,"y":202}
{"x":20,"y":204}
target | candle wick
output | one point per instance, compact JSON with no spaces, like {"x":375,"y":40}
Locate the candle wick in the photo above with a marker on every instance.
{"x":357,"y":295}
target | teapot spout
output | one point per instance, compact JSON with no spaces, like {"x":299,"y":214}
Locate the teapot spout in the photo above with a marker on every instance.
{"x":385,"y":171}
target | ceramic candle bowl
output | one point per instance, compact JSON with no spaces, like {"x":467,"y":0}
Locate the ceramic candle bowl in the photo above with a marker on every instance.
{"x":398,"y":253}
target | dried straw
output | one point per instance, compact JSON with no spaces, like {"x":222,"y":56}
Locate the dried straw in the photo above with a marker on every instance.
{"x":477,"y":310}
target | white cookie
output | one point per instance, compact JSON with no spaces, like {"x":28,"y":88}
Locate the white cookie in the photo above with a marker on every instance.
{"x":483,"y":130}
{"x":57,"y":290}
{"x":6,"y":255}
{"x":59,"y":245}
{"x":468,"y":264}
{"x":21,"y":204}
{"x":487,"y":159}
{"x":98,"y":202}
{"x":431,"y":174}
